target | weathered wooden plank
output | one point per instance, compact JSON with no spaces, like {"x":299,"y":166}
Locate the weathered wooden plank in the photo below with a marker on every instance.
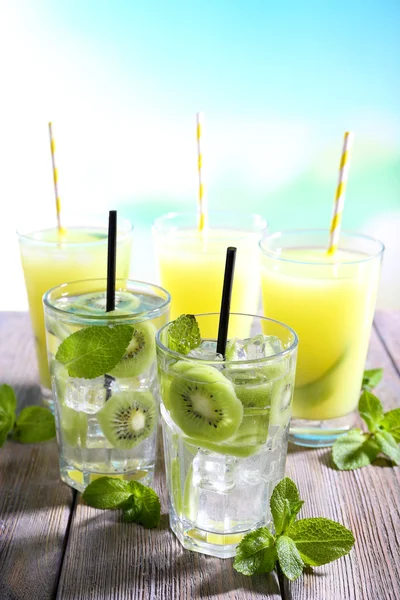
{"x":34,"y":505}
{"x":388,"y":326}
{"x":365,"y":500}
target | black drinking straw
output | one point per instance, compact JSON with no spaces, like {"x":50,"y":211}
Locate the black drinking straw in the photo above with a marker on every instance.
{"x":111,"y":259}
{"x":226,"y":300}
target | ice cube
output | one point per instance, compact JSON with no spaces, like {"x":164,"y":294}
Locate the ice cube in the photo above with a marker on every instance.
{"x":206,"y":351}
{"x":85,"y":395}
{"x":261,"y":346}
{"x":214,"y":472}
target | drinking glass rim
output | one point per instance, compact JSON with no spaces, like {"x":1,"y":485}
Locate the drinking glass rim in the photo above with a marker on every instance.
{"x":346,"y":234}
{"x":158,"y":223}
{"x":253,"y":361}
{"x":99,"y":216}
{"x":149,"y":314}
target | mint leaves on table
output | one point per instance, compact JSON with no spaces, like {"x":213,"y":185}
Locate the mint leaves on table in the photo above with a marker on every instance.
{"x":184,"y":334}
{"x":8,"y":405}
{"x":357,"y":448}
{"x":296,"y":543}
{"x":93,"y":351}
{"x":371,"y":378}
{"x":139,"y":503}
{"x":34,"y":423}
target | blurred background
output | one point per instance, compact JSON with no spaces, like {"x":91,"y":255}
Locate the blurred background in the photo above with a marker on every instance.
{"x":279,"y":83}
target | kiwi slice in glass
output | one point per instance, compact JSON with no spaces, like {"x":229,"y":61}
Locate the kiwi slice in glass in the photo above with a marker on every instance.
{"x":140,"y":353}
{"x":204,"y":405}
{"x":73,"y":425}
{"x":128,"y":418}
{"x":96,"y":302}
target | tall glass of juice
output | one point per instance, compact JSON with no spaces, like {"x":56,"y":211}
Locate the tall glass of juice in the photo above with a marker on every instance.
{"x":49,"y":260}
{"x":191,"y":262}
{"x":329,"y":301}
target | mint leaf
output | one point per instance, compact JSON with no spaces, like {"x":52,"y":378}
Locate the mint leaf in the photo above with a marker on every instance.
{"x":353,"y":450}
{"x":6,"y":425}
{"x":388,"y":445}
{"x":371,"y":410}
{"x":149,"y":503}
{"x":391,"y":423}
{"x":289,"y":557}
{"x":184,"y":334}
{"x":92,"y":351}
{"x":8,"y":401}
{"x":132,"y":512}
{"x":285,"y":503}
{"x":320,"y":541}
{"x":35,"y":424}
{"x":256,"y":553}
{"x":371,"y":378}
{"x":140,"y":504}
{"x":107,"y":493}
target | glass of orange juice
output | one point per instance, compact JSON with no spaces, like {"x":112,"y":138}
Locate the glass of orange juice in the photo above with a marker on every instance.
{"x":329,"y":301}
{"x":49,"y":260}
{"x":192,"y":263}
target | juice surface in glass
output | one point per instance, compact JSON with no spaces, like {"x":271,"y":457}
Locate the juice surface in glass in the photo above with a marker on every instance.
{"x":225,"y":427}
{"x":192,"y":263}
{"x":47,"y":262}
{"x":107,"y":420}
{"x":329,"y":302}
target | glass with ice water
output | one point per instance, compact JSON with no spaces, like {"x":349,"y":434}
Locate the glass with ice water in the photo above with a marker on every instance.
{"x":106,"y":425}
{"x":225,"y":426}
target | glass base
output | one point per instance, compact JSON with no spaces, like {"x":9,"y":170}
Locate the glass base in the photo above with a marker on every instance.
{"x":79,"y":480}
{"x":319,"y":434}
{"x":47,"y":397}
{"x":221,"y":545}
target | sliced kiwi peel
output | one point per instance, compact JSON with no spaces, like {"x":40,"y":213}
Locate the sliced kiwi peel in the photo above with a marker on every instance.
{"x":140,"y":353}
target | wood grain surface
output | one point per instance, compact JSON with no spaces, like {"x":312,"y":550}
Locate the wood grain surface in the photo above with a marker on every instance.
{"x":54,"y":547}
{"x":35,"y":507}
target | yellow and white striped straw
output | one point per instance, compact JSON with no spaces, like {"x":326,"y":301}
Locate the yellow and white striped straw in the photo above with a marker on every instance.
{"x":336,"y":222}
{"x":202,"y":223}
{"x":55,"y":178}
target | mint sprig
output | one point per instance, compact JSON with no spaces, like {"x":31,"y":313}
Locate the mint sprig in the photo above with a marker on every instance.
{"x":139,"y":503}
{"x":184,"y":334}
{"x":313,"y":542}
{"x":93,"y":351}
{"x":357,"y":448}
{"x":34,"y":424}
{"x":371,"y":378}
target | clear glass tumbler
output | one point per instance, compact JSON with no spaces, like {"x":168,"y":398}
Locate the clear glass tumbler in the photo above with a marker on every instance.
{"x":49,"y":260}
{"x":106,"y":424}
{"x":191,"y":263}
{"x":225,"y":426}
{"x":330,"y":302}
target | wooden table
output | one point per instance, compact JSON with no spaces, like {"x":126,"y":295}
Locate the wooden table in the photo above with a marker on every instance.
{"x":53,"y":546}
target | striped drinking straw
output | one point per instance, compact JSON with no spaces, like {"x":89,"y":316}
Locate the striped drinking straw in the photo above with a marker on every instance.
{"x":60,"y":228}
{"x":336,"y":222}
{"x":202,"y":198}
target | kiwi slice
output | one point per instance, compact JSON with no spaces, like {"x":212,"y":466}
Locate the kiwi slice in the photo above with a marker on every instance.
{"x":281,"y":403}
{"x":73,"y":426}
{"x":204,"y":405}
{"x":128,"y":418}
{"x":95,"y":303}
{"x":228,"y":448}
{"x":166,"y":378}
{"x":140,"y":353}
